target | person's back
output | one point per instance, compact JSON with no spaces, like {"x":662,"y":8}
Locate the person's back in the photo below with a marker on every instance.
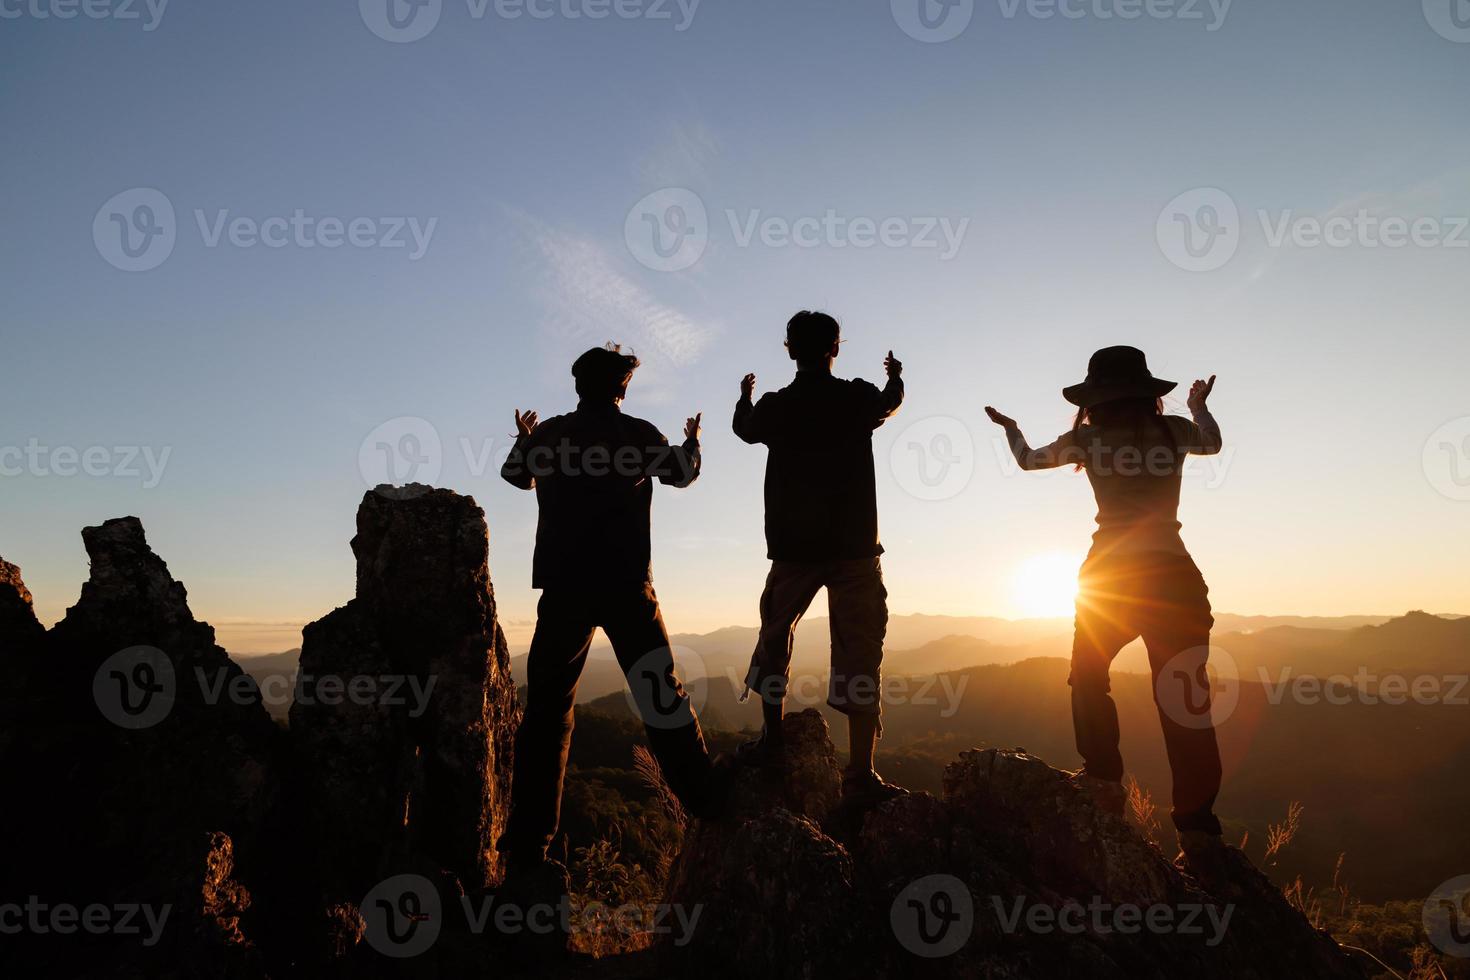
{"x":593,"y":470}
{"x":1135,"y":464}
{"x":821,"y":498}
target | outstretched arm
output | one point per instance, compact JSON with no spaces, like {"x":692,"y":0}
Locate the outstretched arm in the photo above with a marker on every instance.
{"x":1210,"y":441}
{"x":515,"y":471}
{"x":1045,"y":458}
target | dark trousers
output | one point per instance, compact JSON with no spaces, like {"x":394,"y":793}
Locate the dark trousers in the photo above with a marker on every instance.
{"x":1162,"y":598}
{"x":857,"y":602}
{"x":566,"y":619}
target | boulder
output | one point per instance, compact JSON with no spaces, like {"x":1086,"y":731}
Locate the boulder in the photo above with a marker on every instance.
{"x":405,"y":710}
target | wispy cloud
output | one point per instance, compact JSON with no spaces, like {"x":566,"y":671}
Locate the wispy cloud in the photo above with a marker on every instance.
{"x":590,"y":300}
{"x":683,"y":159}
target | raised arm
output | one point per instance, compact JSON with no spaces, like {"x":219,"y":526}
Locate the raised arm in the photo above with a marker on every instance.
{"x":680,"y":464}
{"x":891,"y":397}
{"x":1049,"y":457}
{"x":514,"y":470}
{"x":747,"y":421}
{"x":1209,"y":440}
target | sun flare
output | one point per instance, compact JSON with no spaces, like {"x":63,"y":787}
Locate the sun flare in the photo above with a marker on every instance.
{"x":1046,"y":585}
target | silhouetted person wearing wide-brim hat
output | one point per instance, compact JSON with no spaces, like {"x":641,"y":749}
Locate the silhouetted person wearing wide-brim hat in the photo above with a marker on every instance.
{"x":593,"y":471}
{"x":822,"y":532}
{"x":1139,"y":579}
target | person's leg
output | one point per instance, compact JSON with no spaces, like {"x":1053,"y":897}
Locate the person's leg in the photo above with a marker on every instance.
{"x":1178,"y":638}
{"x":858,"y":603}
{"x":790,"y":589}
{"x":635,"y":626}
{"x":1102,"y":628}
{"x":559,"y":647}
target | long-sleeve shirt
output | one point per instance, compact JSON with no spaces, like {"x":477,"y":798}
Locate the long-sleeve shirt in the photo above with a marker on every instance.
{"x":593,"y":472}
{"x":821,"y":498}
{"x":1136,"y":475}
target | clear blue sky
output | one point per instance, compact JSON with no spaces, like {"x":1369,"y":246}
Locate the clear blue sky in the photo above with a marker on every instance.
{"x":527,"y":141}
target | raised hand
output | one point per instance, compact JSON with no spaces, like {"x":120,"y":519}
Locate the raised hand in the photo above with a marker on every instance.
{"x":1004,"y":421}
{"x":747,"y":386}
{"x":1199,"y":393}
{"x":691,"y":426}
{"x":525,"y":424}
{"x":892,"y":365}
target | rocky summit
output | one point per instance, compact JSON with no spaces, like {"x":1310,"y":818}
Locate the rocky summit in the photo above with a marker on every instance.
{"x":147,"y":787}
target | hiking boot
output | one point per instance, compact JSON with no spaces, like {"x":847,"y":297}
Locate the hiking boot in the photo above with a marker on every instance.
{"x":864,"y":788}
{"x":1108,"y":795}
{"x":1203,"y":854}
{"x":762,"y":751}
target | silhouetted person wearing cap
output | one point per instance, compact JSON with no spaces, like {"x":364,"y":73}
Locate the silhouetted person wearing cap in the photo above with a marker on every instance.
{"x":593,"y":471}
{"x":822,"y":531}
{"x":1138,"y":579}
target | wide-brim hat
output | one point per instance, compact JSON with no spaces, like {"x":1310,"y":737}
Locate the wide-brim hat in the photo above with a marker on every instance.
{"x":1117,"y":372}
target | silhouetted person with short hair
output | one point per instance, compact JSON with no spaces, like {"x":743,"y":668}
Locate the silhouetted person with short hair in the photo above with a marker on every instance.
{"x":822,"y":531}
{"x":593,"y":472}
{"x":1138,"y":579}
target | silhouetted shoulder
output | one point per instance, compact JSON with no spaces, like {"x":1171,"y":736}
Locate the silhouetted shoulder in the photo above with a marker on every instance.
{"x":645,"y":431}
{"x":1187,"y":435}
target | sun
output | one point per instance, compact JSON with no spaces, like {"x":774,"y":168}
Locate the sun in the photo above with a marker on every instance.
{"x":1046,"y":585}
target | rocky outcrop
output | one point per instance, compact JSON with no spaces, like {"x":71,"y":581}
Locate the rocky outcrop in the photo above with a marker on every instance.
{"x":142,"y":772}
{"x":405,"y":708}
{"x":1014,"y":873}
{"x":137,"y":756}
